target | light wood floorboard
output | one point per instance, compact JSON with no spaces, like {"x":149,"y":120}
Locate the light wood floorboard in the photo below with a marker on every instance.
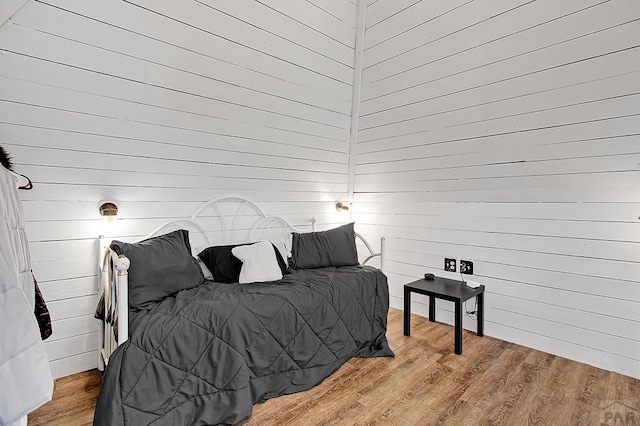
{"x":492,"y":382}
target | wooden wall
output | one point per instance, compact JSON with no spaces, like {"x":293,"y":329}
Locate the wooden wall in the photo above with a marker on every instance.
{"x":502,"y":132}
{"x":507,"y":133}
{"x":160,"y":105}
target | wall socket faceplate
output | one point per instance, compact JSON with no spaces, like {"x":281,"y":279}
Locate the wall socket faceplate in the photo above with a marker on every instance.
{"x":449,"y":264}
{"x":466,"y":267}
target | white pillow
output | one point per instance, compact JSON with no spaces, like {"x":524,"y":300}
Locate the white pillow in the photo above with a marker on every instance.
{"x":259,"y":263}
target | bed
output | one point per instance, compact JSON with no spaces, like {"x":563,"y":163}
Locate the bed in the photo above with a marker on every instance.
{"x":181,"y":349}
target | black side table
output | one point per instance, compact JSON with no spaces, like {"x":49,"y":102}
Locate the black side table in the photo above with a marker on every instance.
{"x":452,"y":290}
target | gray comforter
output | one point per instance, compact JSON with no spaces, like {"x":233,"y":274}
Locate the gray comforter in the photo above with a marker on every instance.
{"x":208,"y":354}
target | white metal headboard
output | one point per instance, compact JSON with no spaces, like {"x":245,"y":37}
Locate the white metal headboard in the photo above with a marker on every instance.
{"x":258,"y":230}
{"x":258,"y":227}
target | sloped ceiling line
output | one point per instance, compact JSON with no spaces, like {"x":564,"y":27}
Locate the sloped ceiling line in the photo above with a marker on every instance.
{"x":9,"y":8}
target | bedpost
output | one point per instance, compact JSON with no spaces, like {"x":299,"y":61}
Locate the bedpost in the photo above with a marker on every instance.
{"x":103,"y":282}
{"x":121,"y":264}
{"x":383,"y":253}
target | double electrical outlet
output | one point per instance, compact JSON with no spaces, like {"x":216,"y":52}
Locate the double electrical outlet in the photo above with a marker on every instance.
{"x":466,"y":266}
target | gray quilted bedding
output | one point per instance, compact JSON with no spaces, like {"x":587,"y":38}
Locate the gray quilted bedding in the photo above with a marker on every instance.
{"x":208,"y":354}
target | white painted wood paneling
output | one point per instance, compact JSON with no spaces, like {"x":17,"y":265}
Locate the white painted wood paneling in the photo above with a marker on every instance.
{"x":159,"y":106}
{"x":9,"y":7}
{"x":501,"y":132}
{"x":506,"y":133}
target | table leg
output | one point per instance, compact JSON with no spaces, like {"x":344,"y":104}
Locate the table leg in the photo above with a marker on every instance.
{"x":480,"y":299}
{"x":407,"y":311}
{"x":432,"y":308}
{"x":458,"y":328}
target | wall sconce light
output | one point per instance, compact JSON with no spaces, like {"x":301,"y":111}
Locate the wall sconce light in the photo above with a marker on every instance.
{"x":109,"y":211}
{"x":342,"y":207}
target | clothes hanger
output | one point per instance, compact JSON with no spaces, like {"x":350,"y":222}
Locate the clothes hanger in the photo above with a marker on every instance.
{"x":27,"y":186}
{"x":7,"y":163}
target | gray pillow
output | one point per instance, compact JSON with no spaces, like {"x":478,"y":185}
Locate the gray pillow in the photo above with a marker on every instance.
{"x":160,"y":266}
{"x":335,"y":247}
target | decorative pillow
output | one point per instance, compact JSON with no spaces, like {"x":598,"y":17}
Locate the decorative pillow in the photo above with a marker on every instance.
{"x":160,"y":266}
{"x":281,"y":246}
{"x":259,"y":263}
{"x":334,"y":247}
{"x":224,"y":266}
{"x":205,"y":271}
{"x":282,"y":258}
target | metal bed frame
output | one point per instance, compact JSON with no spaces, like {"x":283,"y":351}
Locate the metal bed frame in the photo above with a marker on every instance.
{"x":228,"y":212}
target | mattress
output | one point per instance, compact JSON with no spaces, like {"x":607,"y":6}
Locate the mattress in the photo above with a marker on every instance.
{"x":207,"y":354}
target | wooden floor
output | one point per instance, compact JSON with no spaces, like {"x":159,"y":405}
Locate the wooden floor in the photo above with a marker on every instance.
{"x":493,"y":382}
